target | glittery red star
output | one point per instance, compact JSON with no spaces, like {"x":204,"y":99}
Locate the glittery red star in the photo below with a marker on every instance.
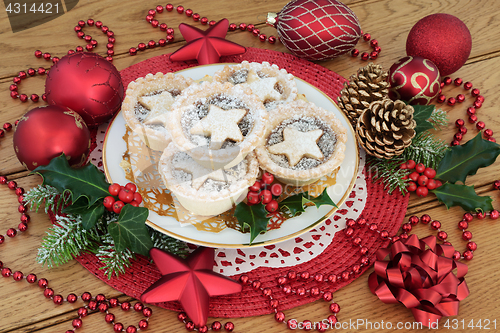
{"x":206,"y":46}
{"x":191,"y":281}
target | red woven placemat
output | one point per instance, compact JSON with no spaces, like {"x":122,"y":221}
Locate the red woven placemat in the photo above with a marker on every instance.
{"x":387,"y":211}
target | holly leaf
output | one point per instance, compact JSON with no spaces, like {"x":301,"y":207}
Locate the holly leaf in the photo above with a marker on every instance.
{"x":295,"y":204}
{"x":463,"y":196}
{"x":460,"y":161}
{"x":322,"y":199}
{"x":254,"y":217}
{"x":86,"y":182}
{"x":421,"y":115}
{"x":130,"y":230}
{"x":92,"y":215}
{"x":79,"y":207}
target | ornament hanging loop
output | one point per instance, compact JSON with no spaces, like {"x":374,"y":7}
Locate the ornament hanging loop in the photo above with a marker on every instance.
{"x":272,"y":19}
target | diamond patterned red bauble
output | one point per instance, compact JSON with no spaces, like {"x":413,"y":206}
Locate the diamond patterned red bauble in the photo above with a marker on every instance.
{"x":86,"y":83}
{"x":414,"y":80}
{"x":192,"y":282}
{"x":442,"y":38}
{"x":318,"y":29}
{"x":46,"y":132}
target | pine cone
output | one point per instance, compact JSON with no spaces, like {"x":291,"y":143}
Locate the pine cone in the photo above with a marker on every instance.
{"x":386,"y":128}
{"x":368,"y":85}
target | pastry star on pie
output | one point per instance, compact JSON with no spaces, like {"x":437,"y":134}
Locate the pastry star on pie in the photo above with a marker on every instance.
{"x":158,"y":105}
{"x":263,"y":87}
{"x":297,"y":144}
{"x":200,"y":174}
{"x":220,"y":125}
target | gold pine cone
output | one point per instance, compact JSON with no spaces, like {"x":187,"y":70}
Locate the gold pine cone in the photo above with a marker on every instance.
{"x":368,"y":85}
{"x":386,"y":128}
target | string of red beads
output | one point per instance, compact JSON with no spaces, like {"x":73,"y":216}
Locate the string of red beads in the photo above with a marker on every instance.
{"x":471,"y":111}
{"x":373,"y":44}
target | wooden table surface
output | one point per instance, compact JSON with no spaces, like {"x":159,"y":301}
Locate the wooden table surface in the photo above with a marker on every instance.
{"x":23,"y":307}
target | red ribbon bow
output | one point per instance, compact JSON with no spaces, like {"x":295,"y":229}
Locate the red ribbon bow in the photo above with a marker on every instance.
{"x":419,"y":274}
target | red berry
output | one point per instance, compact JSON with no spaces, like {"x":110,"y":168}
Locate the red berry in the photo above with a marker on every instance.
{"x":266,"y":196}
{"x":126,"y":195}
{"x":276,"y":189}
{"x":422,"y":180}
{"x":419,"y":168}
{"x":272,"y":206}
{"x":137,"y":197}
{"x":117,"y":206}
{"x":114,"y":189}
{"x":134,"y":203}
{"x":411,"y":186}
{"x":496,"y":184}
{"x":403,"y":166}
{"x":131,"y":187}
{"x":414,"y":176}
{"x":411,"y":164}
{"x":255,"y":187}
{"x":267,"y":178}
{"x":431,"y":184}
{"x":430,"y":173}
{"x":253,"y":198}
{"x":422,"y":191}
{"x":108,"y":201}
{"x":438,"y":183}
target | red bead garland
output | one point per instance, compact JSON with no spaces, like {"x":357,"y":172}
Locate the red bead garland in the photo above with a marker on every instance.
{"x":471,"y":111}
{"x":373,"y":44}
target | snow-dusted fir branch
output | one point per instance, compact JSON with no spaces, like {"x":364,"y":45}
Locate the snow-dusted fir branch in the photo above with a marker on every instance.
{"x":439,"y":118}
{"x":115,"y":263}
{"x":427,"y":149}
{"x":65,"y":240}
{"x":167,"y":243}
{"x":48,"y":195}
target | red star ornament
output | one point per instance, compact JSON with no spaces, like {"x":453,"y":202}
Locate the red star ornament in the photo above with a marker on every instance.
{"x":206,"y":46}
{"x":191,"y":282}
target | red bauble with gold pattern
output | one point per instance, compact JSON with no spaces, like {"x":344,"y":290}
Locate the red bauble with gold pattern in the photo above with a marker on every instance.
{"x":414,"y":80}
{"x":317,"y":29}
{"x":86,"y":83}
{"x":442,"y":38}
{"x":46,"y":132}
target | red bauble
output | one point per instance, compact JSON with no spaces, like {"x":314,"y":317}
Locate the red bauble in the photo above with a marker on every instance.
{"x":318,"y":29}
{"x":415,"y":80}
{"x":442,"y":38}
{"x":46,"y":132}
{"x":86,"y":83}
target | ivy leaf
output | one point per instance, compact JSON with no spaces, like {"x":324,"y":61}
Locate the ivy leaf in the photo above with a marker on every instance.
{"x":421,"y":115}
{"x":87,"y":181}
{"x":295,"y":204}
{"x":463,"y":196}
{"x":322,"y":199}
{"x":92,"y":215}
{"x":460,"y":161}
{"x":130,"y":231}
{"x":253,"y":217}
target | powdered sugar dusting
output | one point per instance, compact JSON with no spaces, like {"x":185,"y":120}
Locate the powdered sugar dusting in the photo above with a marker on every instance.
{"x":326,"y":142}
{"x":199,"y":110}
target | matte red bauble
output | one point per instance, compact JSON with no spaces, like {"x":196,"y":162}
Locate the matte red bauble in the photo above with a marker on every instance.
{"x":442,"y":38}
{"x":317,"y":29}
{"x":46,"y":132}
{"x":86,"y":83}
{"x":414,"y":80}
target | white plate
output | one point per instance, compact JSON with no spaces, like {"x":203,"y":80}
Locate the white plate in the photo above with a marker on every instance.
{"x":115,"y":146}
